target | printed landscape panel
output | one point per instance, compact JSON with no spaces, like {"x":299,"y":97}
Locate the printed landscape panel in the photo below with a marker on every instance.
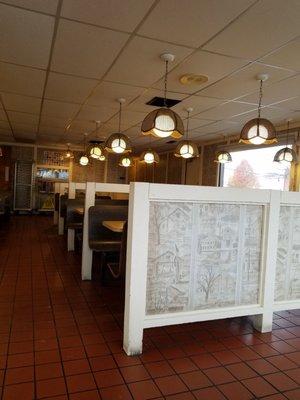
{"x":288,"y":255}
{"x":203,"y":256}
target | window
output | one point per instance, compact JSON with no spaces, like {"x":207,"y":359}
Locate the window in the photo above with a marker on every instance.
{"x":255,"y":169}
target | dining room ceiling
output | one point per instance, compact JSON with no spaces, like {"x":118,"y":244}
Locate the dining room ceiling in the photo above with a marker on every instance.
{"x":63,"y":64}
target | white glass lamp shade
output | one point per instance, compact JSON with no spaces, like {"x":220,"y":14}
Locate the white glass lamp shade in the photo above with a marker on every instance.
{"x":285,"y":156}
{"x":84,"y":160}
{"x":258,"y":131}
{"x":186,"y":149}
{"x":149,"y":157}
{"x":95,"y":151}
{"x":118,"y":143}
{"x":223,"y":157}
{"x":125,"y":161}
{"x":163,"y":123}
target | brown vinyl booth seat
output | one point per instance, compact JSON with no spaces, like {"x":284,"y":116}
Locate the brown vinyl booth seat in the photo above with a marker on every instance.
{"x":101,"y":238}
{"x":63,"y":205}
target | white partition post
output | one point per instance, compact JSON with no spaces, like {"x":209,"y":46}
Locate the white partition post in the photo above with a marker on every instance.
{"x":91,"y":189}
{"x":264,"y":321}
{"x":261,"y":306}
{"x":136,"y":273}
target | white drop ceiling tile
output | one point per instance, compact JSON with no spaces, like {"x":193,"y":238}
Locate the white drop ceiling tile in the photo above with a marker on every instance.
{"x":213,"y":66}
{"x":50,"y":132}
{"x":226,"y":110}
{"x":244,"y":82}
{"x":129,"y":119}
{"x":195,"y":123}
{"x":21,"y":80}
{"x":22,"y":118}
{"x":292,"y":104}
{"x":59,"y":109}
{"x":267,"y":112}
{"x":53,"y":122}
{"x":24,"y":128}
{"x":198,"y":103}
{"x":45,"y":6}
{"x":107,"y":94}
{"x":115,"y":14}
{"x":277,"y":92}
{"x":25,"y":36}
{"x":91,"y":113}
{"x":285,"y":57}
{"x":68,"y":88}
{"x":191,"y":23}
{"x":16,"y":102}
{"x":140,"y":63}
{"x":263,"y":28}
{"x":85,"y":50}
{"x":81,"y":126}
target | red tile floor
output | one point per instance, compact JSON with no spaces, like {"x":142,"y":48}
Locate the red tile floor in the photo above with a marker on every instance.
{"x":61,"y":338}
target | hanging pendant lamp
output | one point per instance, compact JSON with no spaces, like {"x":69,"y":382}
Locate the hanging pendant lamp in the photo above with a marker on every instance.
{"x":223,"y":157}
{"x":163,"y":122}
{"x":96,"y":150}
{"x":118,"y":142}
{"x":286,"y":155}
{"x":149,"y":157}
{"x":186,"y":148}
{"x":69,"y":154}
{"x":259,"y":130}
{"x":84,"y":160}
{"x":126,"y":161}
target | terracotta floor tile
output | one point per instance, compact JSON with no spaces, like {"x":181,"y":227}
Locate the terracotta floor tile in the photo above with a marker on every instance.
{"x":204,"y":361}
{"x":48,"y":371}
{"x":159,"y":368}
{"x":19,"y":375}
{"x":281,"y":362}
{"x":46,"y":357}
{"x":219,"y":375}
{"x":235,"y":391}
{"x":226,"y":357}
{"x":293,"y":394}
{"x":195,"y":380}
{"x":295,"y":357}
{"x":88,"y":395}
{"x":24,"y":391}
{"x":181,"y":365}
{"x":259,"y":387}
{"x":120,"y":392}
{"x":281,"y":381}
{"x":80,"y":383}
{"x":124,"y":361}
{"x":20,"y":360}
{"x":73,"y":353}
{"x":294,"y":374}
{"x":210,"y":393}
{"x":134,"y":373}
{"x":50,"y":387}
{"x":170,"y":385}
{"x":172,"y":352}
{"x":262,"y":366}
{"x":241,"y":371}
{"x":181,"y":396}
{"x":102,"y":363}
{"x":108,"y":378}
{"x":144,"y":390}
{"x":75,"y":367}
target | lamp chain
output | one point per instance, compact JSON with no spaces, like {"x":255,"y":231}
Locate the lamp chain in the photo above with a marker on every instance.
{"x":260,"y":98}
{"x":287,"y":133}
{"x":120,"y":114}
{"x":166,"y":79}
{"x":187,"y":124}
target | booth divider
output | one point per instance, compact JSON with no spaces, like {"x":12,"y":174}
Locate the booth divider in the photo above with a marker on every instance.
{"x":73,"y":186}
{"x":199,"y":253}
{"x":60,"y":188}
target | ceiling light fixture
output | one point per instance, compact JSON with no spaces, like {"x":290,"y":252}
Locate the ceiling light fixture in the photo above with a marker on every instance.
{"x":69,"y":154}
{"x":84,"y":160}
{"x":186,"y":148}
{"x":163,"y":122}
{"x":149,"y":157}
{"x":118,"y":142}
{"x":286,"y":155}
{"x":223,"y":157}
{"x":96,"y":150}
{"x":126,"y":161}
{"x":259,"y":130}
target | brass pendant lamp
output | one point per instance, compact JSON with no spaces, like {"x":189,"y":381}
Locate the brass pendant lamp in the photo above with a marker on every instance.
{"x":186,"y":148}
{"x":96,"y":150}
{"x":163,"y":122}
{"x":286,"y":155}
{"x":259,"y":130}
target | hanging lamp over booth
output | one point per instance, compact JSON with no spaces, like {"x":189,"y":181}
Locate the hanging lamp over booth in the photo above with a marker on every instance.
{"x":118,"y":143}
{"x":126,"y":161}
{"x":223,"y":157}
{"x":286,"y":155}
{"x":69,"y":154}
{"x":84,"y":160}
{"x":149,"y":156}
{"x":259,"y":130}
{"x":163,"y":122}
{"x":186,"y":148}
{"x":96,"y":150}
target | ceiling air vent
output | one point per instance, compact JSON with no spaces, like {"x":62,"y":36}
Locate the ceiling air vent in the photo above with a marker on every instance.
{"x":160,"y":102}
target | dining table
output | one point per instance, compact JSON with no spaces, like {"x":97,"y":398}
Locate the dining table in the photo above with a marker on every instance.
{"x":115,"y":226}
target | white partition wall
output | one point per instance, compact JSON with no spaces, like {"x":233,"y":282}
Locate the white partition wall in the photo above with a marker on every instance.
{"x":91,"y":189}
{"x":199,"y":253}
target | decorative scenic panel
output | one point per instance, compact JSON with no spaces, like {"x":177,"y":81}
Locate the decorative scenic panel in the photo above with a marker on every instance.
{"x":203,"y":256}
{"x":288,"y":255}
